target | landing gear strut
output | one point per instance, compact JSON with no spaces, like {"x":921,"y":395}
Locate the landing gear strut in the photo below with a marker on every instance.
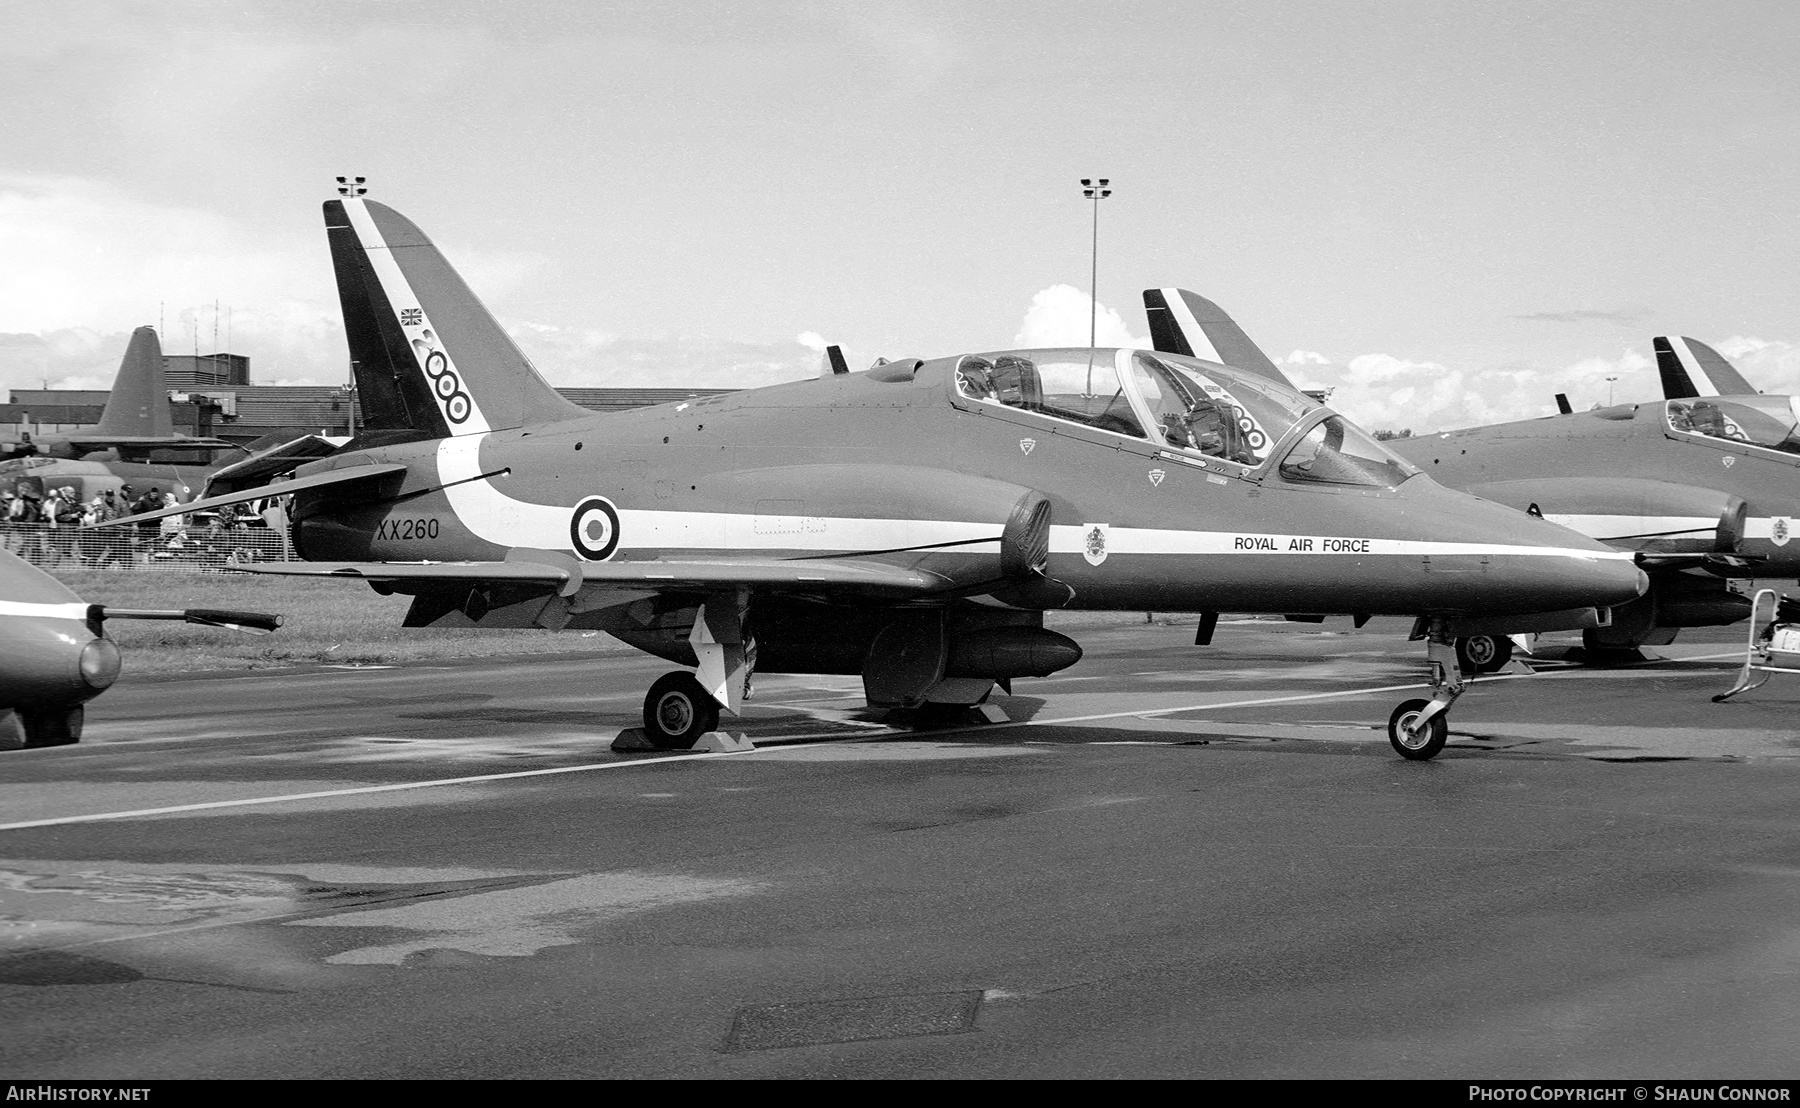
{"x":1418,"y":729}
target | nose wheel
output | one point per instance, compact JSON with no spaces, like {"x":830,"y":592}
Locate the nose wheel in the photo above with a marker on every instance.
{"x":1418,"y":729}
{"x":1415,"y":740}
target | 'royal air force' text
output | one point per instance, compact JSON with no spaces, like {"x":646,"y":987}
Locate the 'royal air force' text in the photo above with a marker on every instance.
{"x":1279,"y":545}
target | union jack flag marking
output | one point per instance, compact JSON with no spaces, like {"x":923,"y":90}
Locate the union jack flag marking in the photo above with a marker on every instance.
{"x":411,"y":317}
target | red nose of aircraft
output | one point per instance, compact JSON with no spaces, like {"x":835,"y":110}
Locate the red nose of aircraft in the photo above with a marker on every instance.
{"x":50,"y":658}
{"x":1485,"y":558}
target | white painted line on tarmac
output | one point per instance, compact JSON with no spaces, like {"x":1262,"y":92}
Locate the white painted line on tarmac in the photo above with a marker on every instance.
{"x":1337,"y":694}
{"x":360,"y":791}
{"x":1138,"y":712}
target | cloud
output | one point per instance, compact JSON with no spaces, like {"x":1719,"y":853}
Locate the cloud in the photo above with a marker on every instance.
{"x":588,"y":358}
{"x":1381,"y":391}
{"x":1305,"y":357}
{"x":86,"y":263}
{"x":1587,"y":315}
{"x":1771,"y":366}
{"x":1059,"y":316}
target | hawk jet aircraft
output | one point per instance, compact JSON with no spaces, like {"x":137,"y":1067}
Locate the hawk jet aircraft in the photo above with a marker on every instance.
{"x":1700,"y":488}
{"x":55,"y":655}
{"x":910,"y":523}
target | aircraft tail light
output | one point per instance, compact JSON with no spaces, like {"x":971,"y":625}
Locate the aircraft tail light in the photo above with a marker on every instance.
{"x":100,"y":663}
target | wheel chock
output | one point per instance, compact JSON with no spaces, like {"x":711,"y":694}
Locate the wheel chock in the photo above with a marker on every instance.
{"x":722,"y":742}
{"x":1516,"y":666}
{"x":632,"y":741}
{"x":991,"y":713}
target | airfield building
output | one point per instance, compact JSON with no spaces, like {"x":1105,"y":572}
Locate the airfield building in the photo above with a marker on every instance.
{"x":211,"y":395}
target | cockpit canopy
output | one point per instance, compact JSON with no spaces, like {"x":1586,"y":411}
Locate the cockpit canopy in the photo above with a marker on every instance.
{"x":1200,"y":408}
{"x":1766,"y":421}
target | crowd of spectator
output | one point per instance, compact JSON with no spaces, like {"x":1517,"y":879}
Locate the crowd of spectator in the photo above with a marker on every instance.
{"x":47,"y":529}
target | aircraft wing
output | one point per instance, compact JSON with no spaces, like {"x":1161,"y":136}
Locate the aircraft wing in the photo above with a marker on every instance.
{"x":282,"y":488}
{"x":660,"y":575}
{"x":261,"y":467}
{"x":97,"y":441}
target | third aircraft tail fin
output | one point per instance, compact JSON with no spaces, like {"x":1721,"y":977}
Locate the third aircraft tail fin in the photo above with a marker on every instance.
{"x":1182,"y":322}
{"x":1689,"y":367}
{"x":138,"y":407}
{"x":427,"y":354}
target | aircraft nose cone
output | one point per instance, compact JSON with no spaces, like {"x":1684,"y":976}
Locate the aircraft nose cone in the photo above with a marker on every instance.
{"x":1533,"y":565}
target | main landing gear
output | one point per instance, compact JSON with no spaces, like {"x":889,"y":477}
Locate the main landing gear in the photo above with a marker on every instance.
{"x":677,"y":711}
{"x":1418,"y":729}
{"x":1483,"y":653}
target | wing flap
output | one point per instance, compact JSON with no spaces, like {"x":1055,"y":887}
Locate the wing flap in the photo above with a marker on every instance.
{"x":261,"y":467}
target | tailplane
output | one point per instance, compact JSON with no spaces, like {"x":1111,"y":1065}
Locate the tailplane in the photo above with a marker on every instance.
{"x":1689,"y":367}
{"x":138,"y":406}
{"x":427,"y":354}
{"x":1182,"y":322}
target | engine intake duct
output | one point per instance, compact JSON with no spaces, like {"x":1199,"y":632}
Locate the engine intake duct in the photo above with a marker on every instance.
{"x":1007,"y":652}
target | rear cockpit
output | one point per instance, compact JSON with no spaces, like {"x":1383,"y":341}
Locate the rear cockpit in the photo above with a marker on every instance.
{"x":1233,"y":420}
{"x":1767,"y":422}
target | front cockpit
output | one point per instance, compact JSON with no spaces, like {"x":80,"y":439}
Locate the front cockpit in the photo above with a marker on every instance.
{"x":1234,"y":420}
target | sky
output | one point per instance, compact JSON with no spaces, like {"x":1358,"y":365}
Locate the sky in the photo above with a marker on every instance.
{"x":1446,"y":212}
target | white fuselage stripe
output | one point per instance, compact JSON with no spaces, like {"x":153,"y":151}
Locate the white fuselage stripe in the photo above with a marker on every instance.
{"x":58,"y":610}
{"x":1622,"y":528}
{"x":497,"y":518}
{"x":1147,"y":540}
{"x":1616,"y":528}
{"x":402,"y":299}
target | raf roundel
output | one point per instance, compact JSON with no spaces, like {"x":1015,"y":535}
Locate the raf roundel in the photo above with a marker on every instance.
{"x":594,"y":529}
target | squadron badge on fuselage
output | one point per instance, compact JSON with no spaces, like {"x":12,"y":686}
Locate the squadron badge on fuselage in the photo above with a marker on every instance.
{"x":1093,"y":546}
{"x":1780,"y":529}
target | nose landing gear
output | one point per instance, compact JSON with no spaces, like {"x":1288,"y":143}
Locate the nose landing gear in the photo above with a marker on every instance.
{"x":1418,"y":729}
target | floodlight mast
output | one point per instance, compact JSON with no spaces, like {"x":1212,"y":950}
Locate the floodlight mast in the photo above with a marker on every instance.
{"x":1094,"y":189}
{"x":352,"y":186}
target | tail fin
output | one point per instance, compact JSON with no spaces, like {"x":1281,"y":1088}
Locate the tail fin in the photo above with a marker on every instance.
{"x":1689,"y":367}
{"x":427,"y":354}
{"x":1182,"y":322}
{"x":139,"y":404}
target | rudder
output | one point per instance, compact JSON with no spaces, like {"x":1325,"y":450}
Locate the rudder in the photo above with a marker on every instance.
{"x":138,"y":406}
{"x":1689,"y":367}
{"x":1182,"y":322}
{"x":427,"y":354}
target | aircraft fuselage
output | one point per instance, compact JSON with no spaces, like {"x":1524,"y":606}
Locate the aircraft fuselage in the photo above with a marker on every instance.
{"x":908,"y":473}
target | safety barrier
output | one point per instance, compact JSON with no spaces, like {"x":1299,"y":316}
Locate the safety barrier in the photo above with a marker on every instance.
{"x":144,"y":546}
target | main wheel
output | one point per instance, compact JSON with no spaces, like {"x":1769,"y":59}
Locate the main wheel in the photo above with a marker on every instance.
{"x":677,"y":711}
{"x":1483,"y":653}
{"x":1419,"y":747}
